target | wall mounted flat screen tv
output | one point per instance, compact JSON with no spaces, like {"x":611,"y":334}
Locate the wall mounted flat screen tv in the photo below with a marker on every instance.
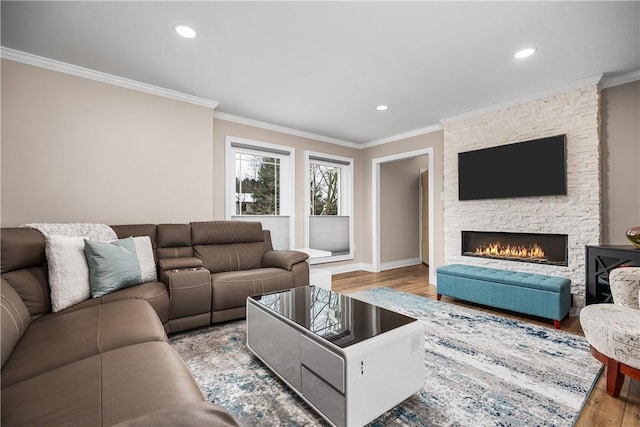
{"x":524,"y":169}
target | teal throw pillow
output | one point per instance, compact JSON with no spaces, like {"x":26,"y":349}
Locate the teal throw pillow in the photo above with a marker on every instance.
{"x":112,"y":265}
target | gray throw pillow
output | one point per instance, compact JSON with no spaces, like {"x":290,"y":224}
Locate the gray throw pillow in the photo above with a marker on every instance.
{"x":112,"y":265}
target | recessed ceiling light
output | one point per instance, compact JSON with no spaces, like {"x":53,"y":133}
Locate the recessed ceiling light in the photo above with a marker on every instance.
{"x":381,"y":107}
{"x":524,"y":53}
{"x":184,"y":31}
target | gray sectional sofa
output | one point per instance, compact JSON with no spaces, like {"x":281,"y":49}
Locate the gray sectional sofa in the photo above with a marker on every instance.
{"x":106,"y":361}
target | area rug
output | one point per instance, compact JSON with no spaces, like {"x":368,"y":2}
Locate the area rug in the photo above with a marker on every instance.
{"x":481,"y":370}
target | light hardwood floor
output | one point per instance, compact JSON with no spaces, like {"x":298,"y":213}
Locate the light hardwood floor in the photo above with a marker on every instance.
{"x":600,"y":410}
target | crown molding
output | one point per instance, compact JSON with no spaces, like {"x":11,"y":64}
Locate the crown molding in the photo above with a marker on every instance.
{"x":578,"y":84}
{"x":283,"y":129}
{"x":63,"y":67}
{"x":404,"y":135}
{"x":620,"y":80}
{"x":74,"y":70}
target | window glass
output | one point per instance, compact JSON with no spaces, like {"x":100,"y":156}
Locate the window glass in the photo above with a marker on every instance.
{"x":329,"y":221}
{"x":257,"y":184}
{"x":324,"y":190}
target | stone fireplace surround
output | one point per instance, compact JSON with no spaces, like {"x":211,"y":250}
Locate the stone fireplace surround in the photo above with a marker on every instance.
{"x":574,"y":112}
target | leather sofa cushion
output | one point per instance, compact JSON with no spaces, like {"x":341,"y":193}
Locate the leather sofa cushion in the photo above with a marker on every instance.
{"x":102,"y":390}
{"x":178,"y":252}
{"x":69,"y":395}
{"x":155,"y":293}
{"x":225,"y":232}
{"x":14,"y":320}
{"x":136,"y":230}
{"x":143,"y":378}
{"x":32,"y":286}
{"x":174,"y":241}
{"x":228,"y":245}
{"x":21,"y":248}
{"x":231,"y":289}
{"x":79,"y":334}
{"x":230,"y":257}
{"x":174,"y":235}
{"x":195,"y":414}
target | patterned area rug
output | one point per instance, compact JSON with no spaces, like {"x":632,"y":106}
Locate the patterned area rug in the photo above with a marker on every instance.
{"x":481,"y":370}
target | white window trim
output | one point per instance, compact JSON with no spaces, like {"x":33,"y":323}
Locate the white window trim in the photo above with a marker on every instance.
{"x":287,"y":179}
{"x":346,"y":189}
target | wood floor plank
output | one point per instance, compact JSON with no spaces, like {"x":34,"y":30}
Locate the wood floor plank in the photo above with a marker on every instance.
{"x":632,"y":410}
{"x":600,"y":410}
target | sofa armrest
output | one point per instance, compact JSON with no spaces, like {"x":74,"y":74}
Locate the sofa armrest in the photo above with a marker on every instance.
{"x":189,"y":297}
{"x":283,"y":259}
{"x":179,"y":263}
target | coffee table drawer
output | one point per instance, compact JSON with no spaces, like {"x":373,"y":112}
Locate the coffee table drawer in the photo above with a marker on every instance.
{"x":326,"y":364}
{"x":331,"y":403}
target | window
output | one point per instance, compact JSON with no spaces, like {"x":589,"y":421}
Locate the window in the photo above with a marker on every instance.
{"x":257,"y":184}
{"x":259,"y":187}
{"x":328,"y":206}
{"x":325,"y":189}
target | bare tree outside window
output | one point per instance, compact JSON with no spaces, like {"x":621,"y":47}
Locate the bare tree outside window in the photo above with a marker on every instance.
{"x":325,"y":188}
{"x":257,"y":185}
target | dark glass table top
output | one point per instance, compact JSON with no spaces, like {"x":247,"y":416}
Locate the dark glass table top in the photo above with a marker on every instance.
{"x":337,"y":318}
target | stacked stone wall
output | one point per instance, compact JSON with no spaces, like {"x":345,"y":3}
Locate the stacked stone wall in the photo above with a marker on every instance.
{"x":575,"y":113}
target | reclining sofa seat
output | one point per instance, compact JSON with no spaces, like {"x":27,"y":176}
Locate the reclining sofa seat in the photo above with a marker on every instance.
{"x":239,"y":257}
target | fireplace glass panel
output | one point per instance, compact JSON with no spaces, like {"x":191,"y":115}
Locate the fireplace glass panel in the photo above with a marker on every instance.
{"x":536,"y":248}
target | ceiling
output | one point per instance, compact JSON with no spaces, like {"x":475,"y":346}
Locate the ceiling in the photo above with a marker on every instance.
{"x":323,"y":67}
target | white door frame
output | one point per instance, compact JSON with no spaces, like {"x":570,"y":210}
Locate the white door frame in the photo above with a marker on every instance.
{"x":420,"y":221}
{"x":375,"y":205}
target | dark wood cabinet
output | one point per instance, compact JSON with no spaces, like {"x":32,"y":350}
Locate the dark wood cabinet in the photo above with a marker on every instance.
{"x":600,"y":261}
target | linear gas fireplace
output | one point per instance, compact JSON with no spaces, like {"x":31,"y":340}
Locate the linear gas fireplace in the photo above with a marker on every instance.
{"x":523,"y":247}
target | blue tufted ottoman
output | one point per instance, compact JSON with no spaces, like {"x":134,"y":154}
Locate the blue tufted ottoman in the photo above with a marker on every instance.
{"x":534,"y":294}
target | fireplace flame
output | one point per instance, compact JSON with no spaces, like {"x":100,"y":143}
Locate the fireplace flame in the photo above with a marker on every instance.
{"x":516,"y":251}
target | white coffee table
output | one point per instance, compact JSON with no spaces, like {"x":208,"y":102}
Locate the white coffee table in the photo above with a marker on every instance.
{"x":349,"y":360}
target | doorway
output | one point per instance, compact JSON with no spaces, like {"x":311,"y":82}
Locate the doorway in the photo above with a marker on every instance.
{"x":375,"y":208}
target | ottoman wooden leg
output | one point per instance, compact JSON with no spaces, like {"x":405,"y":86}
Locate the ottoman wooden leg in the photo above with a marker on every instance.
{"x":439,"y":296}
{"x":556,"y":323}
{"x":615,"y":372}
{"x":614,"y":378}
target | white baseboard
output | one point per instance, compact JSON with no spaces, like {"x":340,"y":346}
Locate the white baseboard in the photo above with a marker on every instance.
{"x":347,"y":268}
{"x":362,"y":266}
{"x":400,"y":263}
